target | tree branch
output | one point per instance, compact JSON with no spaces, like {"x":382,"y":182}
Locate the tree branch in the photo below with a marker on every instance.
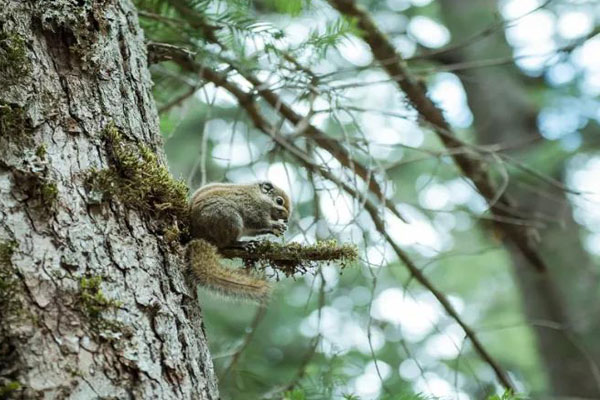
{"x":468,"y":162}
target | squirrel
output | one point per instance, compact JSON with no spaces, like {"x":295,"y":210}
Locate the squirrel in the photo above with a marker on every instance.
{"x":222,"y":213}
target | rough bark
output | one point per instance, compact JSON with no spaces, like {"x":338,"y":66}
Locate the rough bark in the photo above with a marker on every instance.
{"x":554,"y":302}
{"x":93,"y":301}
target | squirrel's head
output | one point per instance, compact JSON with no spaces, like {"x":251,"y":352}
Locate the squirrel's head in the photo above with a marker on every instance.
{"x":282,"y":206}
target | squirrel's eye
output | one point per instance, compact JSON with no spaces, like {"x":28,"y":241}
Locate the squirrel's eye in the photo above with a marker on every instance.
{"x":279,"y":201}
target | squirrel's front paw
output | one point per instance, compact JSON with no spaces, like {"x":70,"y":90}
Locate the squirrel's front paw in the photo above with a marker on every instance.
{"x":250,"y":245}
{"x":278,"y":228}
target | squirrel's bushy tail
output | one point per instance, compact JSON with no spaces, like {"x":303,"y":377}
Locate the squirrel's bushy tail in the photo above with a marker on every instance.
{"x":205,"y":264}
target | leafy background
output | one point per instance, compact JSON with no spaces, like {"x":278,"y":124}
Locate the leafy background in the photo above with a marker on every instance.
{"x":370,"y":331}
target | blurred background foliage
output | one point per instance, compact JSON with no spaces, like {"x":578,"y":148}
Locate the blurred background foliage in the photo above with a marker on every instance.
{"x":519,"y":78}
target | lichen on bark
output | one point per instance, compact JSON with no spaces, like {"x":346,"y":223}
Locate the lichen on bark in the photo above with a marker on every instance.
{"x":82,"y":25}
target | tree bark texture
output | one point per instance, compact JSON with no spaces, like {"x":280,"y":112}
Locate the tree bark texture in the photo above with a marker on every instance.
{"x":555,"y":303}
{"x":93,"y":302}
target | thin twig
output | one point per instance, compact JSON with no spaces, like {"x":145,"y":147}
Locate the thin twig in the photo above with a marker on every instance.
{"x":258,"y":318}
{"x":177,"y":101}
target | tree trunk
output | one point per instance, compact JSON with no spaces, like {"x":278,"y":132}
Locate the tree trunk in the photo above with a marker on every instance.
{"x":93,"y":301}
{"x":503,"y":114}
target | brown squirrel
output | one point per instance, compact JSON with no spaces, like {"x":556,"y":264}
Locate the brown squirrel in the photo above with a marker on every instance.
{"x":222,"y":213}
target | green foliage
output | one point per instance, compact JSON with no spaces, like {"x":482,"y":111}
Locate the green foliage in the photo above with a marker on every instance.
{"x":140,"y":181}
{"x":299,"y":394}
{"x":333,"y":34}
{"x":472,"y":267}
{"x":291,"y":7}
{"x":295,"y":394}
{"x":507,"y":395}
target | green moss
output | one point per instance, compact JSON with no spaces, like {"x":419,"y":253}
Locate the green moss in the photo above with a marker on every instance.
{"x":75,"y":372}
{"x":13,"y":121}
{"x":7,"y":248}
{"x":141,"y":182}
{"x":13,"y":58}
{"x":9,"y":387}
{"x":92,"y":298}
{"x":80,"y":25}
{"x":7,"y":280}
{"x":42,"y":189}
{"x":172,"y":234}
{"x":322,"y":250}
{"x":41,"y":151}
{"x":92,"y":302}
{"x":48,"y":193}
{"x":9,"y":303}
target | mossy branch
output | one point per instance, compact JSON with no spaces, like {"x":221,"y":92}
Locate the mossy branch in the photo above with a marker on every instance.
{"x":291,"y":258}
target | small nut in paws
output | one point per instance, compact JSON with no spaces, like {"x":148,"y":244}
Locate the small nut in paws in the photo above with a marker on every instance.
{"x":279,"y":228}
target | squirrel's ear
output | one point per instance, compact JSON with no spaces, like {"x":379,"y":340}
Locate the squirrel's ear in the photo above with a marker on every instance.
{"x":266,"y":187}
